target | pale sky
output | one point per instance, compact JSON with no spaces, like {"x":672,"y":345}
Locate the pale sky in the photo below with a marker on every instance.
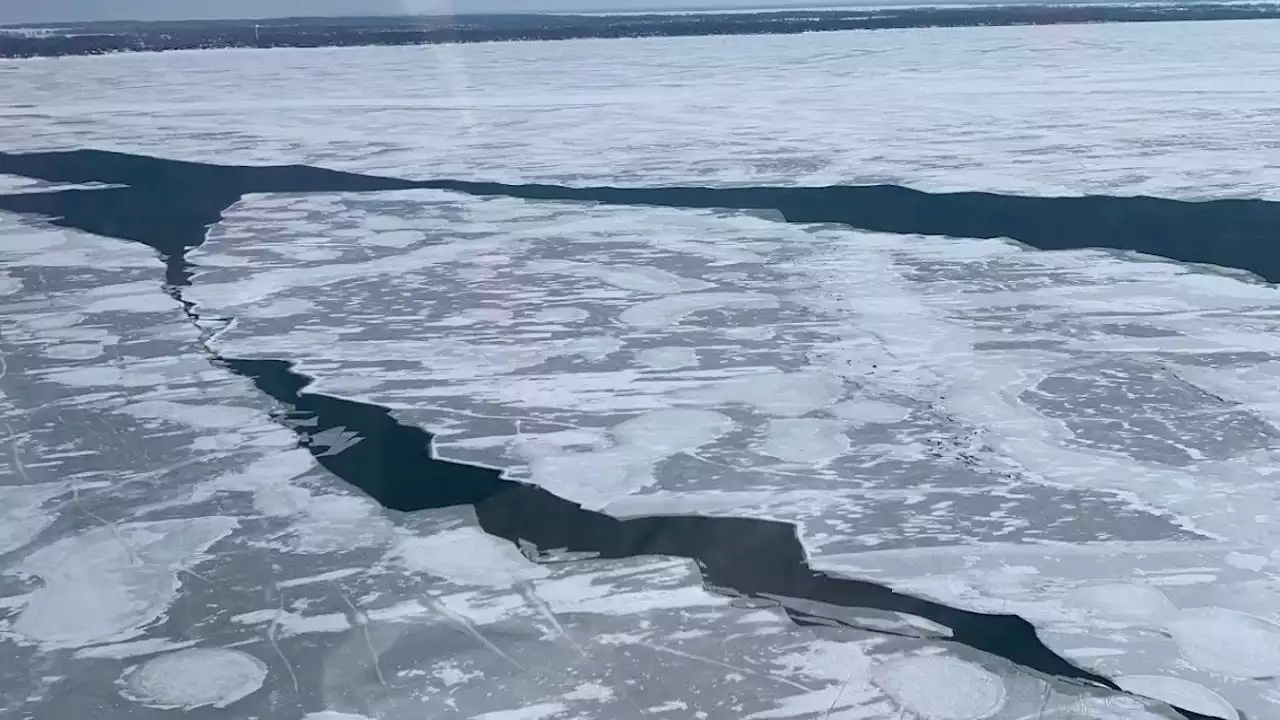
{"x":14,"y":11}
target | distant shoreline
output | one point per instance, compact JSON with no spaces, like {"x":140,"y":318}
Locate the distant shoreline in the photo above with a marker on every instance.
{"x":97,"y":38}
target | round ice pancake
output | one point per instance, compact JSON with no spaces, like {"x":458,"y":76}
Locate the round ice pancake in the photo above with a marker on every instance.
{"x":1179,"y":693}
{"x":195,"y":678}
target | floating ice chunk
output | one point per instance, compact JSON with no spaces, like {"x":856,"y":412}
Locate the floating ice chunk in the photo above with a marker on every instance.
{"x":195,"y":678}
{"x":639,"y":278}
{"x":1227,"y":642}
{"x":667,"y":358}
{"x":668,"y":311}
{"x":332,"y":715}
{"x":805,"y":440}
{"x":1179,"y":693}
{"x":866,"y":412}
{"x":937,"y":687}
{"x":1124,"y":602}
{"x":773,"y":392}
{"x":106,"y":584}
{"x":467,"y":556}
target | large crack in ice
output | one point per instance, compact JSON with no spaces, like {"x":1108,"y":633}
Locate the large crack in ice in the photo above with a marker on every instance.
{"x":169,"y":205}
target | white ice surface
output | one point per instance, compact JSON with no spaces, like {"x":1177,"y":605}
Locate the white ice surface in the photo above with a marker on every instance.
{"x":806,"y":440}
{"x":22,"y":516}
{"x":1129,"y":109}
{"x":1182,"y":693}
{"x":469,"y":556}
{"x":598,"y":477}
{"x":667,"y":358}
{"x":908,"y":392}
{"x":108,"y":583}
{"x":1227,"y":642}
{"x":985,"y":365}
{"x":942,"y":688}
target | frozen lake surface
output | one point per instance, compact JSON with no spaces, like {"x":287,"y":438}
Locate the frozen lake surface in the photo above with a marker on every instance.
{"x":1084,"y":439}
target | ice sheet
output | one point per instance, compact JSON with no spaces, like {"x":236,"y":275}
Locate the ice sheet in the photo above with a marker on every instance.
{"x":1141,"y":108}
{"x":1050,"y":410}
{"x":887,"y":392}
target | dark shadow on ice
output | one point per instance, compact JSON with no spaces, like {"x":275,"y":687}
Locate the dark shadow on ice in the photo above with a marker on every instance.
{"x":169,"y":205}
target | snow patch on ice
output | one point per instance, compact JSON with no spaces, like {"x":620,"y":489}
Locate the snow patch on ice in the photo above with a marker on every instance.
{"x":73,"y":351}
{"x":266,"y":283}
{"x":668,"y":358}
{"x":108,"y":583}
{"x":1246,"y":561}
{"x":9,"y":284}
{"x":590,"y":691}
{"x":844,"y":669}
{"x":281,"y":308}
{"x":22,"y":516}
{"x":668,"y":311}
{"x":528,"y":712}
{"x":938,"y":687}
{"x":327,"y":522}
{"x":774,"y":392}
{"x":637,"y":278}
{"x":598,"y":477}
{"x":290,"y":623}
{"x":813,"y":441}
{"x":1227,"y":642}
{"x":195,"y":678}
{"x":210,"y":416}
{"x":137,"y":648}
{"x":561,"y":315}
{"x":1124,"y":602}
{"x":1179,"y":693}
{"x":467,"y":556}
{"x":396,"y":238}
{"x":868,"y":412}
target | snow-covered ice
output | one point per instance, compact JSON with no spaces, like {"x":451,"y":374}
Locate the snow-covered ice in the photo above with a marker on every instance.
{"x":1084,"y":438}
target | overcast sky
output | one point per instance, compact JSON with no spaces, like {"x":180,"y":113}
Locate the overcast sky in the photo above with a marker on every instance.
{"x":14,"y":11}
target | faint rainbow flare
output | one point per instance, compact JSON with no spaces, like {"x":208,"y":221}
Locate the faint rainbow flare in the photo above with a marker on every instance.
{"x":449,"y":63}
